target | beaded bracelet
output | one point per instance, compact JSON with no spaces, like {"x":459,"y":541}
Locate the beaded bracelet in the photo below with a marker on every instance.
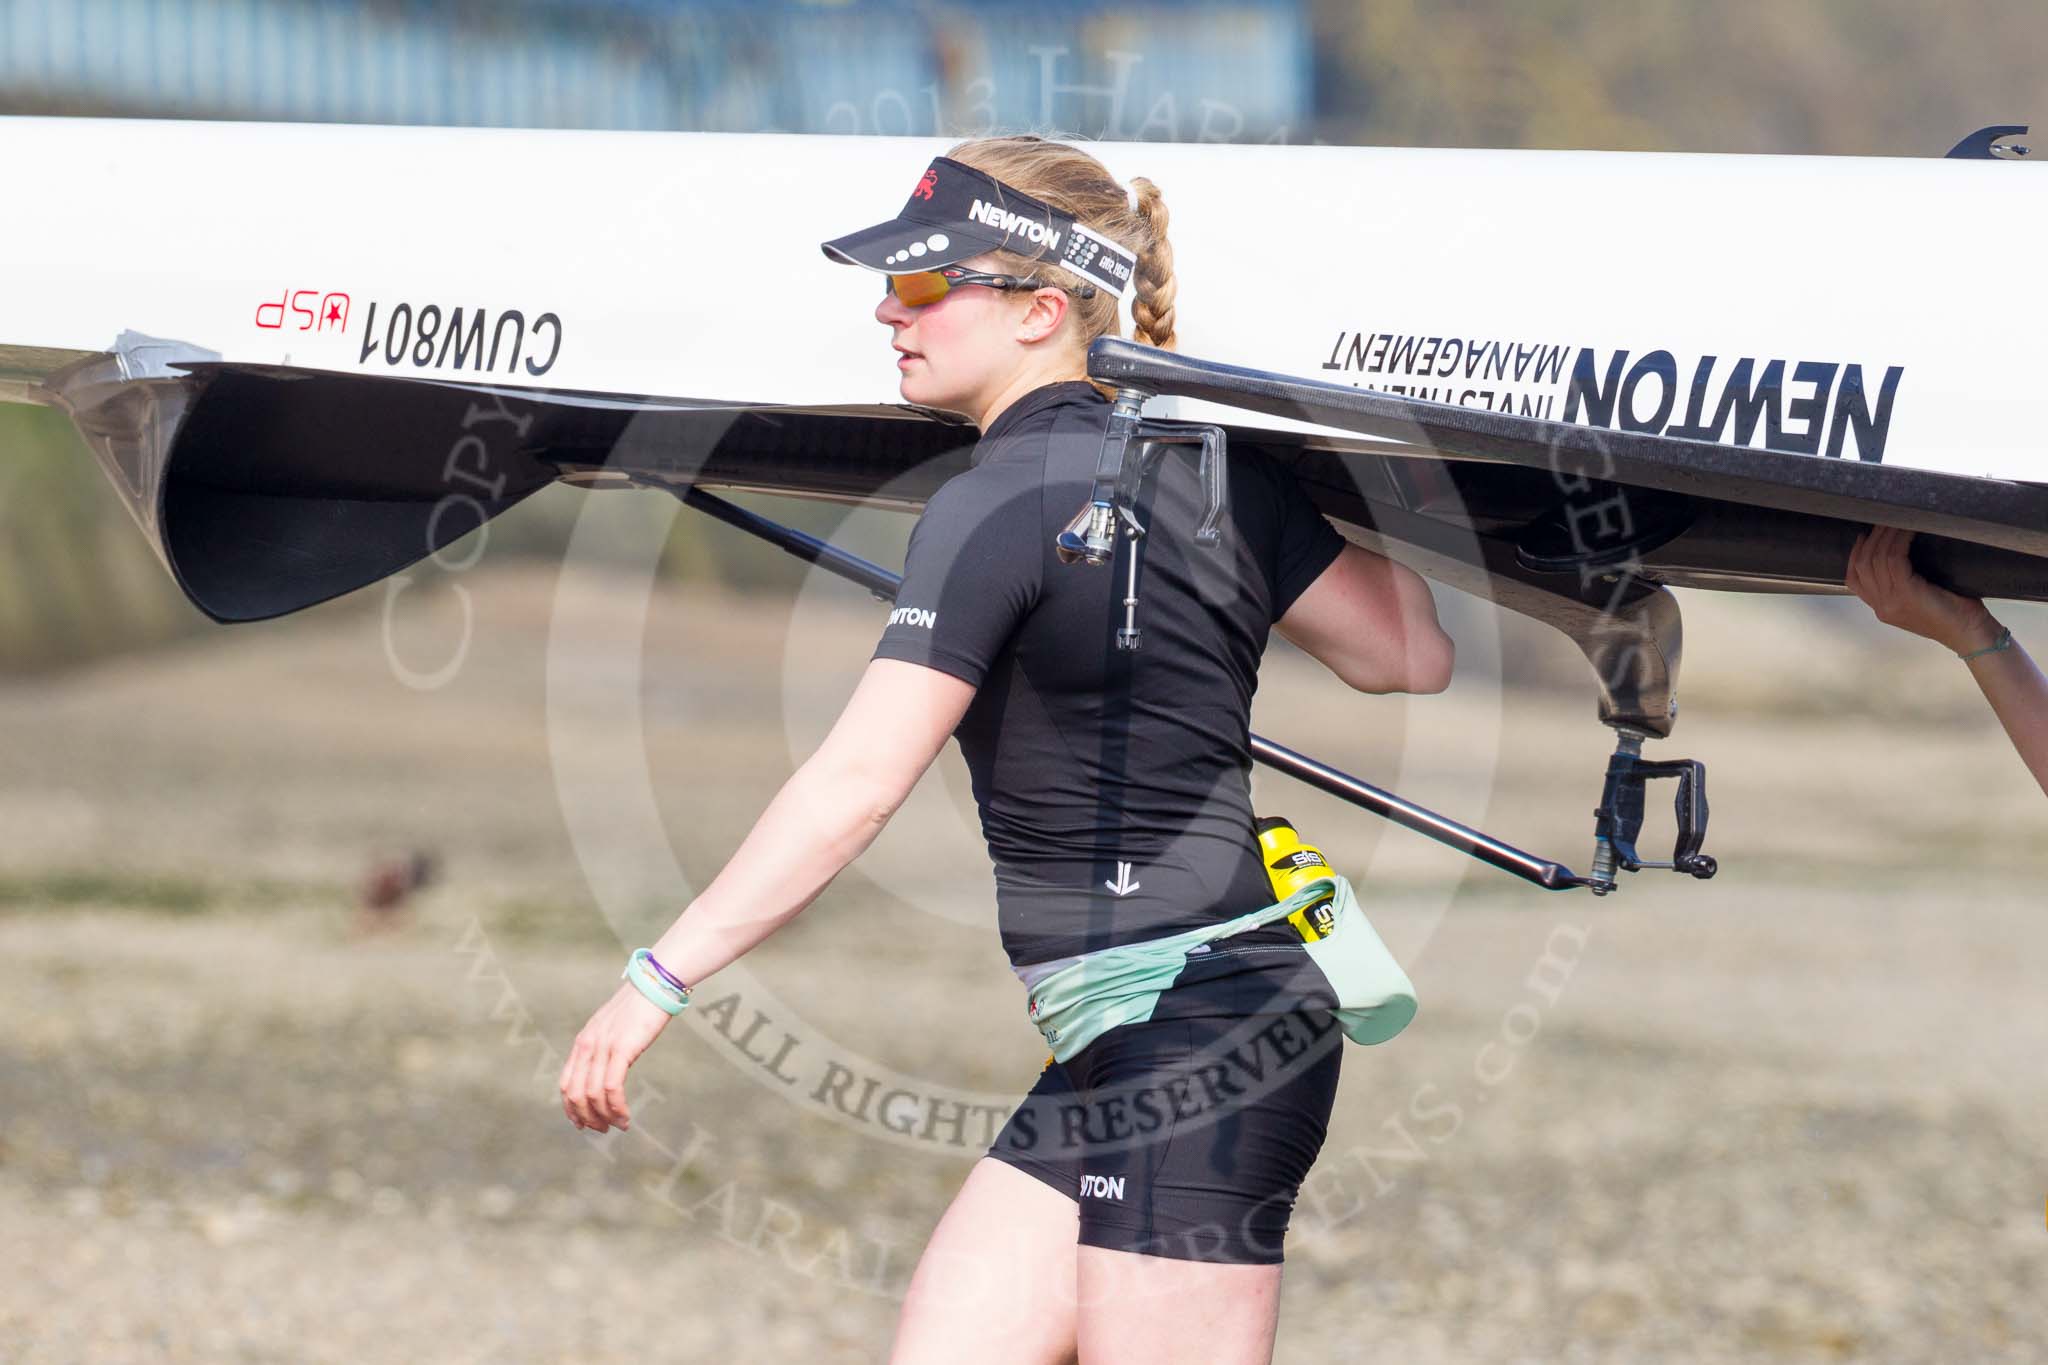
{"x":2004,"y":641}
{"x":669,"y":998}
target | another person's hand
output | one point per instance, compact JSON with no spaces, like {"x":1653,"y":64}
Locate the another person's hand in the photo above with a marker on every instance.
{"x":593,"y":1080}
{"x":1882,"y":575}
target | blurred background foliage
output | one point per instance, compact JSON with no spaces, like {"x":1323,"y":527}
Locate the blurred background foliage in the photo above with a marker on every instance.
{"x":1855,"y":77}
{"x":1826,"y":77}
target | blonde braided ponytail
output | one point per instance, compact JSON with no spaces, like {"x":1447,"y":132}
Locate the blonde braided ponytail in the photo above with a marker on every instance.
{"x":1152,"y":301}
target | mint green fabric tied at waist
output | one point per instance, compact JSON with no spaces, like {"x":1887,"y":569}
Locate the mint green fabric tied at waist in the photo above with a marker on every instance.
{"x":1080,"y":1002}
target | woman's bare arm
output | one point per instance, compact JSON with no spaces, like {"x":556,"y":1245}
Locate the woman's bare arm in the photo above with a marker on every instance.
{"x":1881,"y":574}
{"x":2012,"y":682}
{"x":1373,"y":623}
{"x":829,"y":810}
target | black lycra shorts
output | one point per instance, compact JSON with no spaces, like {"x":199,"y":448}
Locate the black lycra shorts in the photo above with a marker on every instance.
{"x":1186,"y":1135}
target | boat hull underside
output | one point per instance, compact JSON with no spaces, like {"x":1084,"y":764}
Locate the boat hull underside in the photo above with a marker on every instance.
{"x":284,"y":488}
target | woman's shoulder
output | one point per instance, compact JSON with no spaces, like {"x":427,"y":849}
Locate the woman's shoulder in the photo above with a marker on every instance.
{"x":1056,"y":439}
{"x":986,"y":492}
{"x":1049,"y":407}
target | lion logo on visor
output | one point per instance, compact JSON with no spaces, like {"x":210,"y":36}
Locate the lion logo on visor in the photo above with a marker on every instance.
{"x":927,"y":185}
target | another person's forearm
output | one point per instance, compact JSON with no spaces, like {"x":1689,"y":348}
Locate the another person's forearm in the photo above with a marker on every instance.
{"x":1880,"y":572}
{"x":2013,"y":683}
{"x":819,"y":822}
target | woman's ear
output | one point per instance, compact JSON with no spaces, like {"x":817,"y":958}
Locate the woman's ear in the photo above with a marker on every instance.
{"x":1041,"y":318}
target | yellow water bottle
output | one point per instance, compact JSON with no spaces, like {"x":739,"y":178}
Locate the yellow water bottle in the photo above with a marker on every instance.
{"x":1292,"y":864}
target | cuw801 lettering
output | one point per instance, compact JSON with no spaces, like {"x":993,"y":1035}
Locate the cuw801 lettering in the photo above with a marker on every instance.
{"x":427,"y":338}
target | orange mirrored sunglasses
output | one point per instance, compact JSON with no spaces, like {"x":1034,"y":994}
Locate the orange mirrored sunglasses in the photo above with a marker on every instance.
{"x":921,"y":287}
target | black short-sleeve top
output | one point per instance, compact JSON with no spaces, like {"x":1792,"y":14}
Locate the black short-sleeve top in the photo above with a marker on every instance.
{"x":1113,"y":785}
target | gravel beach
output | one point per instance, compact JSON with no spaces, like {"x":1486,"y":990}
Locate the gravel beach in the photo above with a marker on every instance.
{"x":1794,"y":1113}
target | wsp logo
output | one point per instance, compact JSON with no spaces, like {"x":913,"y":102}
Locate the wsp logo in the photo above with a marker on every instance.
{"x":331,"y":312}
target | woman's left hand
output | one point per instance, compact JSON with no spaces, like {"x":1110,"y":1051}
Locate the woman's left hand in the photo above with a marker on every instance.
{"x":593,"y":1080}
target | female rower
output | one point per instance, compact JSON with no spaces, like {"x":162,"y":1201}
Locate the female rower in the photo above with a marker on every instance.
{"x":1112,"y":785}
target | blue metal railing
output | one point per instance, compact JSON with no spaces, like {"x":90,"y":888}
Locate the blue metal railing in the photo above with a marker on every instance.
{"x":1218,"y":71}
